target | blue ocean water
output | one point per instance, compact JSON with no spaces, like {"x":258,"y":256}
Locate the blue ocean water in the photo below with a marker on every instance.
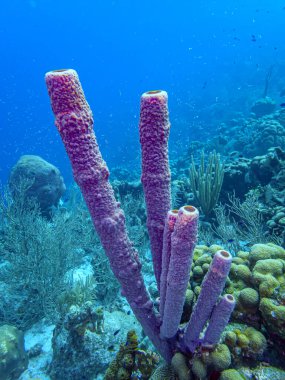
{"x":200,"y":52}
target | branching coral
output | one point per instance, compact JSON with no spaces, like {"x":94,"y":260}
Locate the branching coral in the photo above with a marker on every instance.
{"x":206,"y":181}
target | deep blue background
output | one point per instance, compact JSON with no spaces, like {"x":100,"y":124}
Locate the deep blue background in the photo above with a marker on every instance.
{"x":201,"y":52}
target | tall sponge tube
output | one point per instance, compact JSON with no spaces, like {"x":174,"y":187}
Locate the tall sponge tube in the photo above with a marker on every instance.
{"x":154,"y":130}
{"x":211,"y":289}
{"x":183,"y":240}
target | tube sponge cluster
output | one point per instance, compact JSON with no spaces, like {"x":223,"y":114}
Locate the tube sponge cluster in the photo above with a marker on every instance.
{"x":173,"y":234}
{"x":74,"y":121}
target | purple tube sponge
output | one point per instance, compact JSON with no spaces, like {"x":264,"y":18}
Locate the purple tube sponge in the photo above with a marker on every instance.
{"x":211,"y":288}
{"x":219,"y":319}
{"x":74,"y":122}
{"x":154,"y":132}
{"x":183,"y":240}
{"x":168,"y":230}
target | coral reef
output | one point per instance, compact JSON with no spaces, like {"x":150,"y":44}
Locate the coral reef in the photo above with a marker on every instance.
{"x":235,"y":178}
{"x":262,"y":372}
{"x":131,"y":362}
{"x":251,"y":137}
{"x":245,"y":343}
{"x":256,"y":280}
{"x":261,"y":177}
{"x":78,"y":350}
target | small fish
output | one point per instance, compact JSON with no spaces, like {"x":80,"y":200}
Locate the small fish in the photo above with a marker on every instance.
{"x":117,"y":332}
{"x":282,"y":105}
{"x":128,"y":312}
{"x":111,"y":348}
{"x":136,"y":375}
{"x":231,"y":240}
{"x":253,"y":38}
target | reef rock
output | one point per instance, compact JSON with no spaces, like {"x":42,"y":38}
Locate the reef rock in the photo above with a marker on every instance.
{"x":263,"y":106}
{"x":44,"y":182}
{"x":13,"y":359}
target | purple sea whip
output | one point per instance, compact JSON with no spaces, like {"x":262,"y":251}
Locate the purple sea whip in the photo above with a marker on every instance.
{"x":173,"y":233}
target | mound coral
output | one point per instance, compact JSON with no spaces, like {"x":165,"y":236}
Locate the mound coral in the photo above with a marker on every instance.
{"x":257,"y":280}
{"x":217,"y":360}
{"x":13,"y":359}
{"x":246,"y":342}
{"x":47,"y":185}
